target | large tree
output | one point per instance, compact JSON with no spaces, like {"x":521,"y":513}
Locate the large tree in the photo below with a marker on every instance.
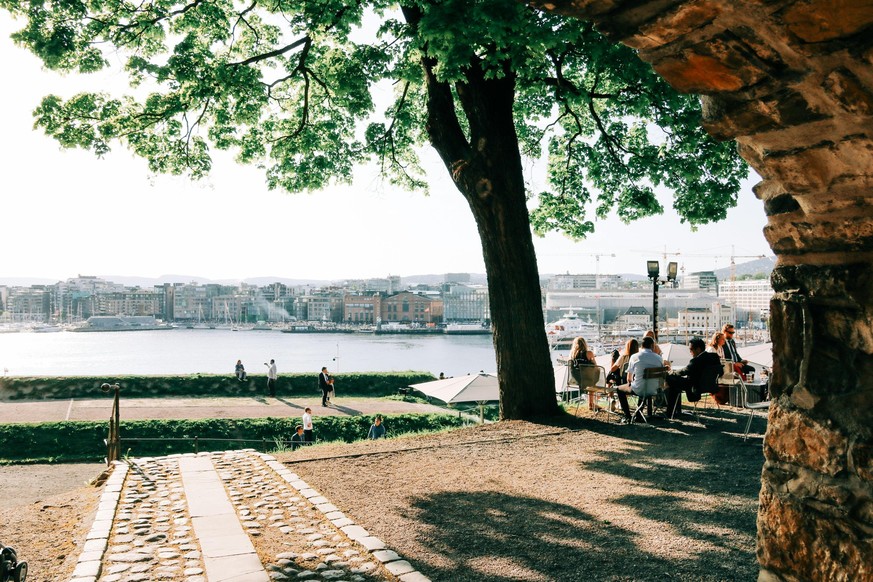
{"x":288,"y":85}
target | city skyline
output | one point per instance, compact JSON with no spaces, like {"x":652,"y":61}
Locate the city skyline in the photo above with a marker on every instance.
{"x":69,"y":213}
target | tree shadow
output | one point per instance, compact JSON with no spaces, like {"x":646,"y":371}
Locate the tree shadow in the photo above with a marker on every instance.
{"x":686,"y":494}
{"x":346,"y":409}
{"x":290,"y":404}
{"x":499,"y":537}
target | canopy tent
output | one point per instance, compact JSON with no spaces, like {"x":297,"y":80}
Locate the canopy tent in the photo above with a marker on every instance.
{"x":677,"y":354}
{"x":760,"y":356}
{"x":479,"y":387}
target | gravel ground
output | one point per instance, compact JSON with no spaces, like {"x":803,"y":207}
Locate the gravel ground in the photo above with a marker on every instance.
{"x":581,"y":500}
{"x":587,"y":501}
{"x":46,"y":513}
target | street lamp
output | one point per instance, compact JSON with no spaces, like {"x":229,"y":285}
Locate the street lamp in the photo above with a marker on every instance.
{"x":113,"y":443}
{"x":654,"y":269}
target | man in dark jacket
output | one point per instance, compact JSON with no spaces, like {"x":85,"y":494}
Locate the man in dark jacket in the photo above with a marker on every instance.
{"x":730,"y":350}
{"x":324,"y":384}
{"x":698,"y":377}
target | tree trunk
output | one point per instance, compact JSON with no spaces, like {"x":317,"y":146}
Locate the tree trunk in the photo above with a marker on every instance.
{"x":488,"y":172}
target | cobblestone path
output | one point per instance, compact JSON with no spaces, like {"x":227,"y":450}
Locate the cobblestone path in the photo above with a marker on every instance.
{"x":219,"y":517}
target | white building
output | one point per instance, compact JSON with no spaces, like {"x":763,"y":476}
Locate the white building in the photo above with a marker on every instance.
{"x":704,"y":321}
{"x":466,"y":303}
{"x":751,"y":298}
{"x":700,"y":280}
{"x":584,"y":281}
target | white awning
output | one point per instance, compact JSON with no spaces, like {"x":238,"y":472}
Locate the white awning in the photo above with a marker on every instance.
{"x":470,"y":388}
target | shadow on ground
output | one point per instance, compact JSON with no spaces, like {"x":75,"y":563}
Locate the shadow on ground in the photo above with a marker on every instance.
{"x":507,"y":537}
{"x":691,"y":490}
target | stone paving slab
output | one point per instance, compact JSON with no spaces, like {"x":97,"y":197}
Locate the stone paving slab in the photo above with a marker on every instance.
{"x":191,"y":518}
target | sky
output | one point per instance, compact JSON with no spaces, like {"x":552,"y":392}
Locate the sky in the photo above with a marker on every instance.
{"x":67,"y":213}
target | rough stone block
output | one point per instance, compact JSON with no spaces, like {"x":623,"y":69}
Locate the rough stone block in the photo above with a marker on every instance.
{"x":399,"y":567}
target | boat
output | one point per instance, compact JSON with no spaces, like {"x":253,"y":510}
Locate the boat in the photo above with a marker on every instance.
{"x":45,"y":328}
{"x":122,"y":323}
{"x":562,"y":332}
{"x":405,"y":328}
{"x":479,"y":328}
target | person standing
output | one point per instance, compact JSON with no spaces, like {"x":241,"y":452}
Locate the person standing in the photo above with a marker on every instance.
{"x":307,"y":426}
{"x":272,"y":376}
{"x":324,"y":383}
{"x":377,"y":429}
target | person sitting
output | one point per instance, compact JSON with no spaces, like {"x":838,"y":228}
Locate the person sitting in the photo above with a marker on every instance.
{"x":240,"y":371}
{"x":657,"y":348}
{"x":716,"y":344}
{"x":580,"y":355}
{"x":630,"y":348}
{"x":377,"y":429}
{"x":612,"y":376}
{"x":730,"y":351}
{"x":698,"y":377}
{"x":638,"y":363}
{"x":297,"y":440}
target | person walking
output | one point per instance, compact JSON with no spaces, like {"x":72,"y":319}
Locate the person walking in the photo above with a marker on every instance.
{"x":308,"y":437}
{"x":324,"y":382}
{"x":272,"y":376}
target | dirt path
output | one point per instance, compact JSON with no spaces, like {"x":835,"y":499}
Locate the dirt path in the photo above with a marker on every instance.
{"x":221,"y":407}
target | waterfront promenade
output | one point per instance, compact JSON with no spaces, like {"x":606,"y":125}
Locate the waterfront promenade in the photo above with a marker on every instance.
{"x":202,"y":407}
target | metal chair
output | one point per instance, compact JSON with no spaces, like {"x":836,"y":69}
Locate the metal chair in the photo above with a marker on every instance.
{"x":708,"y":384}
{"x":590,"y":379}
{"x":654,"y":379}
{"x":750,"y":406}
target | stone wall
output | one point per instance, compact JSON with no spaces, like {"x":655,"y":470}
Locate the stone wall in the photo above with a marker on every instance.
{"x":792,"y":82}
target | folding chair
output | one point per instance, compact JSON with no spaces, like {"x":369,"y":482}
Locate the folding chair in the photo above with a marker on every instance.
{"x":750,"y":406}
{"x":654,"y":379}
{"x":569,"y":385}
{"x":591,"y":379}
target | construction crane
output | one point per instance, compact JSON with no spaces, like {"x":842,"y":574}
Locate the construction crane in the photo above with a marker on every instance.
{"x":597,"y":265}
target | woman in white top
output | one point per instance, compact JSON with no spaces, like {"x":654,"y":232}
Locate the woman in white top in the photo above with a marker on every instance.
{"x":716,"y":344}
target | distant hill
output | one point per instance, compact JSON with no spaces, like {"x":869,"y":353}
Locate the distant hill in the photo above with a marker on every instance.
{"x":439,"y":279}
{"x":26,"y":281}
{"x":133,"y":281}
{"x":758,"y":266}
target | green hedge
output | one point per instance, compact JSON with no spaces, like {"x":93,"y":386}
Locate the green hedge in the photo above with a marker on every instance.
{"x":372,"y":384}
{"x":77,"y":441}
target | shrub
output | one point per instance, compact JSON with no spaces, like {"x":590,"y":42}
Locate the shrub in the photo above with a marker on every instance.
{"x":77,"y":441}
{"x":372,"y":384}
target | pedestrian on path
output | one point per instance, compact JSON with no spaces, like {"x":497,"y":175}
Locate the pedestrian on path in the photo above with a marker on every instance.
{"x":377,"y":429}
{"x":324,"y":382}
{"x":272,"y":375}
{"x":307,"y":426}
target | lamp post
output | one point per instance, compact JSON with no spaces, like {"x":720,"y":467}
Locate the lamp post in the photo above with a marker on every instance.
{"x":113,"y":443}
{"x":654,"y":269}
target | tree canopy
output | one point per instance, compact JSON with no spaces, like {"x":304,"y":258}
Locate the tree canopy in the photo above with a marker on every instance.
{"x":289,"y":86}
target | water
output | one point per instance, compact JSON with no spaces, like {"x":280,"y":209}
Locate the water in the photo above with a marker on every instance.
{"x":189,"y":351}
